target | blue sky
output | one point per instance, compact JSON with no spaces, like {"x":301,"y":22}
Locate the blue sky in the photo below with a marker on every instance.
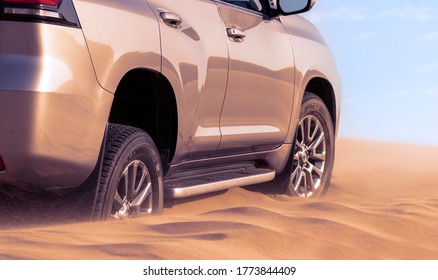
{"x":387,"y":55}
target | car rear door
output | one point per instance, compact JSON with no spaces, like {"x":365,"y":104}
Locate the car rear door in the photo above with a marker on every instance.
{"x":258,"y":103}
{"x":195,"y":61}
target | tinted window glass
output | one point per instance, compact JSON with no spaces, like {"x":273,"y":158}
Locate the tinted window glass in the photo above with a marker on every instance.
{"x":255,"y":5}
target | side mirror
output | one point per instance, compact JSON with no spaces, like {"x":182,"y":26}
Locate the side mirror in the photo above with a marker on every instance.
{"x":290,"y":7}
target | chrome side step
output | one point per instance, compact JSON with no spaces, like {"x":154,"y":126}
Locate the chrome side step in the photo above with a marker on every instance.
{"x":179,"y":188}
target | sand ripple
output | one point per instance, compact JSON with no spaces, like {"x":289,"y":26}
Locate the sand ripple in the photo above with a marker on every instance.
{"x":385,"y":209}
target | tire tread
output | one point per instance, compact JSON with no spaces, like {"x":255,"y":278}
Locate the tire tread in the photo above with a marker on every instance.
{"x":118,"y":137}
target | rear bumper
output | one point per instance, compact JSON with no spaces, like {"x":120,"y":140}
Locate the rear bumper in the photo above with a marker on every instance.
{"x":52,"y":110}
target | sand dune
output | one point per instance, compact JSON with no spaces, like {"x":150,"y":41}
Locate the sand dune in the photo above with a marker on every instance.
{"x":383,"y":204}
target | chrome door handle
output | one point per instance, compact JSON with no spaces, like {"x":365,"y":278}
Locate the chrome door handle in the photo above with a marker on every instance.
{"x":171,"y":19}
{"x":235,"y":33}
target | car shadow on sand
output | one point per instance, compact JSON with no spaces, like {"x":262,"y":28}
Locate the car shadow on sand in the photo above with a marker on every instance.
{"x":20,"y":209}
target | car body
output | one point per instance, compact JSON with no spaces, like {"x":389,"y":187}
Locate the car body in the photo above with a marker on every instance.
{"x":217,"y":85}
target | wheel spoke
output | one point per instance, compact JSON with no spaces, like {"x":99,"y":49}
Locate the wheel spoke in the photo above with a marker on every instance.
{"x":144,"y":174}
{"x":318,"y":141}
{"x":308,"y":126}
{"x":318,"y":153}
{"x":126,"y":182}
{"x":133,"y":179}
{"x":318,"y":156}
{"x":310,"y":183}
{"x":298,"y":179}
{"x":294,"y":174}
{"x":315,"y":132}
{"x":141,"y":197}
{"x":118,"y":199}
{"x":318,"y":171}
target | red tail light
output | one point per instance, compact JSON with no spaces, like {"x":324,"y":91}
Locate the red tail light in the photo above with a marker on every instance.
{"x":35,"y":2}
{"x":61,"y":12}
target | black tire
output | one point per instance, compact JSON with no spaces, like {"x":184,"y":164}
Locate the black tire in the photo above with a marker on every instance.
{"x":129,"y":154}
{"x":311,"y":165}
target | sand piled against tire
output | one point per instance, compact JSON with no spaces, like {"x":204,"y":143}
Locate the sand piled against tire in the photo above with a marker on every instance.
{"x":383,"y":204}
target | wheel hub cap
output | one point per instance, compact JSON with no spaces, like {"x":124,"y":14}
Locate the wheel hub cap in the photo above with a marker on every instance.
{"x":124,"y":211}
{"x":303,"y":156}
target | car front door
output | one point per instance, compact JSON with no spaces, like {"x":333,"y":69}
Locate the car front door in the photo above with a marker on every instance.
{"x":258,"y":102}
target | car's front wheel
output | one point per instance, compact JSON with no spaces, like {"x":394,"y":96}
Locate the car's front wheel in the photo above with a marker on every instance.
{"x":131,"y":178}
{"x":313,"y":158}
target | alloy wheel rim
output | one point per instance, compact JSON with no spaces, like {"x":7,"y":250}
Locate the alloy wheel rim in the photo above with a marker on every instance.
{"x":309,"y":158}
{"x":133,"y":195}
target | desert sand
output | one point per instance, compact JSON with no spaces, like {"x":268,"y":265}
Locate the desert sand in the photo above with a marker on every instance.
{"x":382,"y":204}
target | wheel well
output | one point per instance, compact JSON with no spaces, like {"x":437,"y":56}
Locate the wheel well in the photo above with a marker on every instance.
{"x":324,"y":90}
{"x":145,"y":99}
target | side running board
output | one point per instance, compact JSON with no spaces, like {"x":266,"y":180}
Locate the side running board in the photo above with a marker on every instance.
{"x":216,"y":181}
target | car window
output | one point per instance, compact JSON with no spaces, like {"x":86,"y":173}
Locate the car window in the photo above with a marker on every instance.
{"x":254,"y":5}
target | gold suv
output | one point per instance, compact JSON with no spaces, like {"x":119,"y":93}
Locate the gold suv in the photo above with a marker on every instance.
{"x":142,"y":100}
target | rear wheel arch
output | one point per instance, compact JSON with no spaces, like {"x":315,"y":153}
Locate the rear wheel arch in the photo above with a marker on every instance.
{"x":145,"y":99}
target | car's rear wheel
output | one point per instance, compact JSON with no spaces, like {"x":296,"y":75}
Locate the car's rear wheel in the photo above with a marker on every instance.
{"x":313,"y":158}
{"x":131,"y":179}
